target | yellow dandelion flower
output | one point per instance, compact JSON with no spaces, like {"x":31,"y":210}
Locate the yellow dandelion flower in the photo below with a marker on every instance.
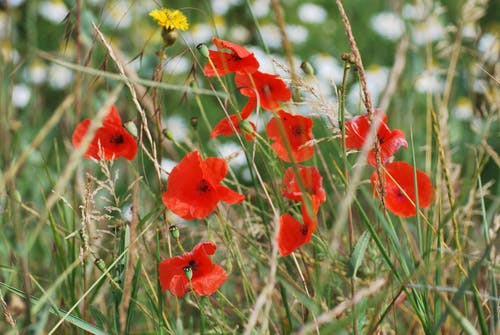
{"x":170,"y":19}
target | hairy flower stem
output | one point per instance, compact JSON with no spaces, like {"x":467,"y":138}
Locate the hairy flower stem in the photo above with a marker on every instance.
{"x":366,"y":96}
{"x":343,"y":88}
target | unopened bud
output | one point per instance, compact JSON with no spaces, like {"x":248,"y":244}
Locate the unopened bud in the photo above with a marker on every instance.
{"x":100,"y":264}
{"x":131,"y":128}
{"x":246,"y":127}
{"x":174,"y":231}
{"x":194,"y":122}
{"x":349,"y":58}
{"x":188,"y":272}
{"x":169,"y":37}
{"x":168,"y":134}
{"x":202,"y":49}
{"x":307,"y":68}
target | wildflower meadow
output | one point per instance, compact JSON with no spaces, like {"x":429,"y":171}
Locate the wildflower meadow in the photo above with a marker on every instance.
{"x":250,"y":167}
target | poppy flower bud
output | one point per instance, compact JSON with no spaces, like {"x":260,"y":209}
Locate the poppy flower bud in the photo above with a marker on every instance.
{"x":349,"y":58}
{"x":194,"y":122}
{"x":202,"y":49}
{"x":174,"y":231}
{"x":246,"y":127}
{"x":169,"y":36}
{"x":100,"y":264}
{"x":307,"y":68}
{"x":168,"y":134}
{"x":131,"y":127}
{"x":189,"y":272}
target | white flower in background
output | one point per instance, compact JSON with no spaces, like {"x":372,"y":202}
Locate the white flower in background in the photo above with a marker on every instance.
{"x":127,"y":213}
{"x":221,"y":7}
{"x":178,"y":127}
{"x":239,"y":34}
{"x":415,"y":12}
{"x":311,"y":13}
{"x":480,"y":86}
{"x":463,"y":110}
{"x":376,"y":80}
{"x":470,"y":31}
{"x":489,"y":48}
{"x":53,"y":10}
{"x":327,"y":68}
{"x":59,"y":77}
{"x":177,"y":65}
{"x":201,"y":33}
{"x":15,"y":3}
{"x":246,"y":174}
{"x":118,"y":14}
{"x":260,"y":8}
{"x":21,"y":95}
{"x":166,"y":167}
{"x":296,"y":34}
{"x":265,"y":60}
{"x":388,"y":25}
{"x":428,"y":31}
{"x":233,"y":153}
{"x":429,"y":81}
{"x":37,"y":72}
{"x":271,"y":35}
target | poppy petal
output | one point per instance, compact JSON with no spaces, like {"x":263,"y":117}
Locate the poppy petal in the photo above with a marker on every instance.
{"x":399,"y":188}
{"x":291,"y":234}
{"x":229,"y":196}
{"x":209,"y":282}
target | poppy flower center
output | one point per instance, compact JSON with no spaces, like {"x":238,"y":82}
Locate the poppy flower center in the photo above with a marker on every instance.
{"x":297,"y":131}
{"x":236,"y":57}
{"x":204,"y":186}
{"x":303,"y":230}
{"x":193,"y":265}
{"x":117,"y":139}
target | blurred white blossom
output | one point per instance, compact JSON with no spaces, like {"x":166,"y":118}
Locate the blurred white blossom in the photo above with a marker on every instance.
{"x":177,"y":65}
{"x":428,"y":31}
{"x":463,"y":110}
{"x":376,"y":80}
{"x":177,"y":126}
{"x":429,"y":81}
{"x":271,"y":35}
{"x":59,"y":77}
{"x":312,"y":13}
{"x":21,"y":95}
{"x":388,"y":25}
{"x":118,"y":14}
{"x":53,"y":10}
{"x":489,"y":48}
{"x":166,"y":167}
{"x":260,"y":8}
{"x":233,"y":153}
{"x":297,"y":34}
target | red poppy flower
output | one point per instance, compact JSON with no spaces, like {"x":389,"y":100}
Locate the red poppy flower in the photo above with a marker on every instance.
{"x":229,"y":125}
{"x":298,"y":131}
{"x":399,"y":188}
{"x":389,"y":144}
{"x":194,"y":189}
{"x":269,"y":88}
{"x":292,"y":233}
{"x":110,"y":141}
{"x":206,"y":278}
{"x":238,"y":60}
{"x":357,"y":130}
{"x":310,"y":181}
